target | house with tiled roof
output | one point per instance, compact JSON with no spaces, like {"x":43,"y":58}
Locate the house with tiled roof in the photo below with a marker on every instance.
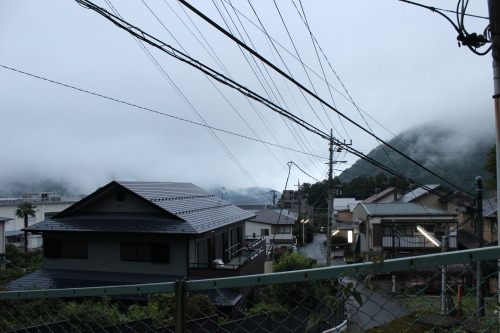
{"x":275,"y":226}
{"x":390,"y":194}
{"x":391,"y":229}
{"x":144,"y":232}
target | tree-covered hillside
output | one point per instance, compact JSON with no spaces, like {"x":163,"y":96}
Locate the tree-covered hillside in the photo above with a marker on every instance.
{"x":452,"y":153}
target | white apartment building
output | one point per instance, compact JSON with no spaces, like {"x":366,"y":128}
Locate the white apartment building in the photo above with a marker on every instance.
{"x":47,"y":205}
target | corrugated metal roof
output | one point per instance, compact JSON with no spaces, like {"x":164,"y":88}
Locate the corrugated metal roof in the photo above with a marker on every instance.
{"x":403,"y":209}
{"x":197,"y":211}
{"x":270,"y":216}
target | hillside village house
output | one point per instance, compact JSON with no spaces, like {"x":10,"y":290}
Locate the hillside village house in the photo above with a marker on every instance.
{"x":274,"y":226}
{"x":391,"y":228}
{"x":139,"y":232}
{"x":47,"y":205}
{"x":3,"y":261}
{"x":390,"y":194}
{"x":466,"y":234}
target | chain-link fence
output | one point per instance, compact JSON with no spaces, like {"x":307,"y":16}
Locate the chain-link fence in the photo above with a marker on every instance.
{"x":449,"y":292}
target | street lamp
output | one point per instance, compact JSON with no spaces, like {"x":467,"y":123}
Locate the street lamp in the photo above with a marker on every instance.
{"x":335,"y":232}
{"x":441,"y":244}
{"x":303,"y":223}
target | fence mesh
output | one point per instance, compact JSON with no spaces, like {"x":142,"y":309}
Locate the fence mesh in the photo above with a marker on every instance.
{"x":358,"y":298}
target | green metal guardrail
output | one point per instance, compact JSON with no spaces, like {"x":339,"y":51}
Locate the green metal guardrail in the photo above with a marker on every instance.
{"x":363,"y":297}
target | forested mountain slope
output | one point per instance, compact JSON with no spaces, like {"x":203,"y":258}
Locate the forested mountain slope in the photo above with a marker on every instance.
{"x":453,"y":153}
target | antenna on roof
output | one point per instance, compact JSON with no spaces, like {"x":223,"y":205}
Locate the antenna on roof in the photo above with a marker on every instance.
{"x":223,"y":190}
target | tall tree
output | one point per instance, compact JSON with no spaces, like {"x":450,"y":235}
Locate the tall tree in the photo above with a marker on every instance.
{"x":23,"y":211}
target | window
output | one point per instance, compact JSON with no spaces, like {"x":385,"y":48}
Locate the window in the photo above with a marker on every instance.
{"x":282,"y":229}
{"x":49,"y":215}
{"x":147,"y":252}
{"x":68,"y":249}
{"x":264,"y":232}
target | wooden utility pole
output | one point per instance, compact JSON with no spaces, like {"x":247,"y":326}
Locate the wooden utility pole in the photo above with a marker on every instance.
{"x":494,"y":11}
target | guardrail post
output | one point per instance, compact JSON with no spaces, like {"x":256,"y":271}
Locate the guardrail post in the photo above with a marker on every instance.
{"x":180,"y":306}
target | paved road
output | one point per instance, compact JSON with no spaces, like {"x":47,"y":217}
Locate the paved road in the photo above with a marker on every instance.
{"x":317,"y":250}
{"x":378,"y":305}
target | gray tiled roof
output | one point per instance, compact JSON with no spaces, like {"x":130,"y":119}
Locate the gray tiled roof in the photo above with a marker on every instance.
{"x":184,"y":208}
{"x":416,"y":193}
{"x":403,"y":209}
{"x":45,"y":278}
{"x":270,"y":216}
{"x":115,"y":223}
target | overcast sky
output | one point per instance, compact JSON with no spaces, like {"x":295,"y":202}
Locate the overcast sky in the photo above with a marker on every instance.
{"x":400,"y":64}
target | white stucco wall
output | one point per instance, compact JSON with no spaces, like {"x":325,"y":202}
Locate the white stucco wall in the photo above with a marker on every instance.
{"x":8,"y":209}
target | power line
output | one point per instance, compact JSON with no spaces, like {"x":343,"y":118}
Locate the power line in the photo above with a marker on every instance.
{"x":232,"y":37}
{"x":157,"y":112}
{"x":247,"y":92}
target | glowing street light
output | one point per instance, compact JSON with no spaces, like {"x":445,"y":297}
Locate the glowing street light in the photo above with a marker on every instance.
{"x":335,"y":232}
{"x":304,"y":221}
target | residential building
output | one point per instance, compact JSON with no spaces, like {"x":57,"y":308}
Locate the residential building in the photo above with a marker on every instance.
{"x":3,"y":261}
{"x":440,"y":197}
{"x":452,"y":201}
{"x":47,"y":205}
{"x":144,"y":231}
{"x":391,"y":228}
{"x":467,"y":232}
{"x":275,"y":226}
{"x":390,"y":194}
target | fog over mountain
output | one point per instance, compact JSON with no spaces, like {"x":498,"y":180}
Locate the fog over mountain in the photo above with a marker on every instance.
{"x":455,"y":153}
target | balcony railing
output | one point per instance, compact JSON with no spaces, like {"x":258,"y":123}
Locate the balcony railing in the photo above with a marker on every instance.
{"x":239,"y":254}
{"x":414,"y":242}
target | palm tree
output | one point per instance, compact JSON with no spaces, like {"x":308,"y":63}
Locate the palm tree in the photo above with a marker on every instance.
{"x":24,"y":210}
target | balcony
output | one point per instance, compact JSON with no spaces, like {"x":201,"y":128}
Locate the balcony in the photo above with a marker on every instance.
{"x":414,"y":242}
{"x":244,"y":259}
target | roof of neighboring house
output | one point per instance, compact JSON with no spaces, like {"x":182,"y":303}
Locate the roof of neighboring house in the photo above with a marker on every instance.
{"x":466,"y":239}
{"x":181,"y":208}
{"x":342,"y":204}
{"x":270,"y":216}
{"x":490,"y":207}
{"x":252,"y":207}
{"x":417,"y":193}
{"x":403,"y":209}
{"x":46,"y":278}
{"x":381,"y":195}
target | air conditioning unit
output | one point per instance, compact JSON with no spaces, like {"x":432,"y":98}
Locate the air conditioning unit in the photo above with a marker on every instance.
{"x":218,"y":263}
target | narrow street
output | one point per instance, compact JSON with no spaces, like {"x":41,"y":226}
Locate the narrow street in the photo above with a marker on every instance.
{"x":378,"y":305}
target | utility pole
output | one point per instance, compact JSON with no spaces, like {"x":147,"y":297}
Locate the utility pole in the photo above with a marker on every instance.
{"x":330,"y":206}
{"x":331,"y":198}
{"x":479,"y":244}
{"x":494,"y":11}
